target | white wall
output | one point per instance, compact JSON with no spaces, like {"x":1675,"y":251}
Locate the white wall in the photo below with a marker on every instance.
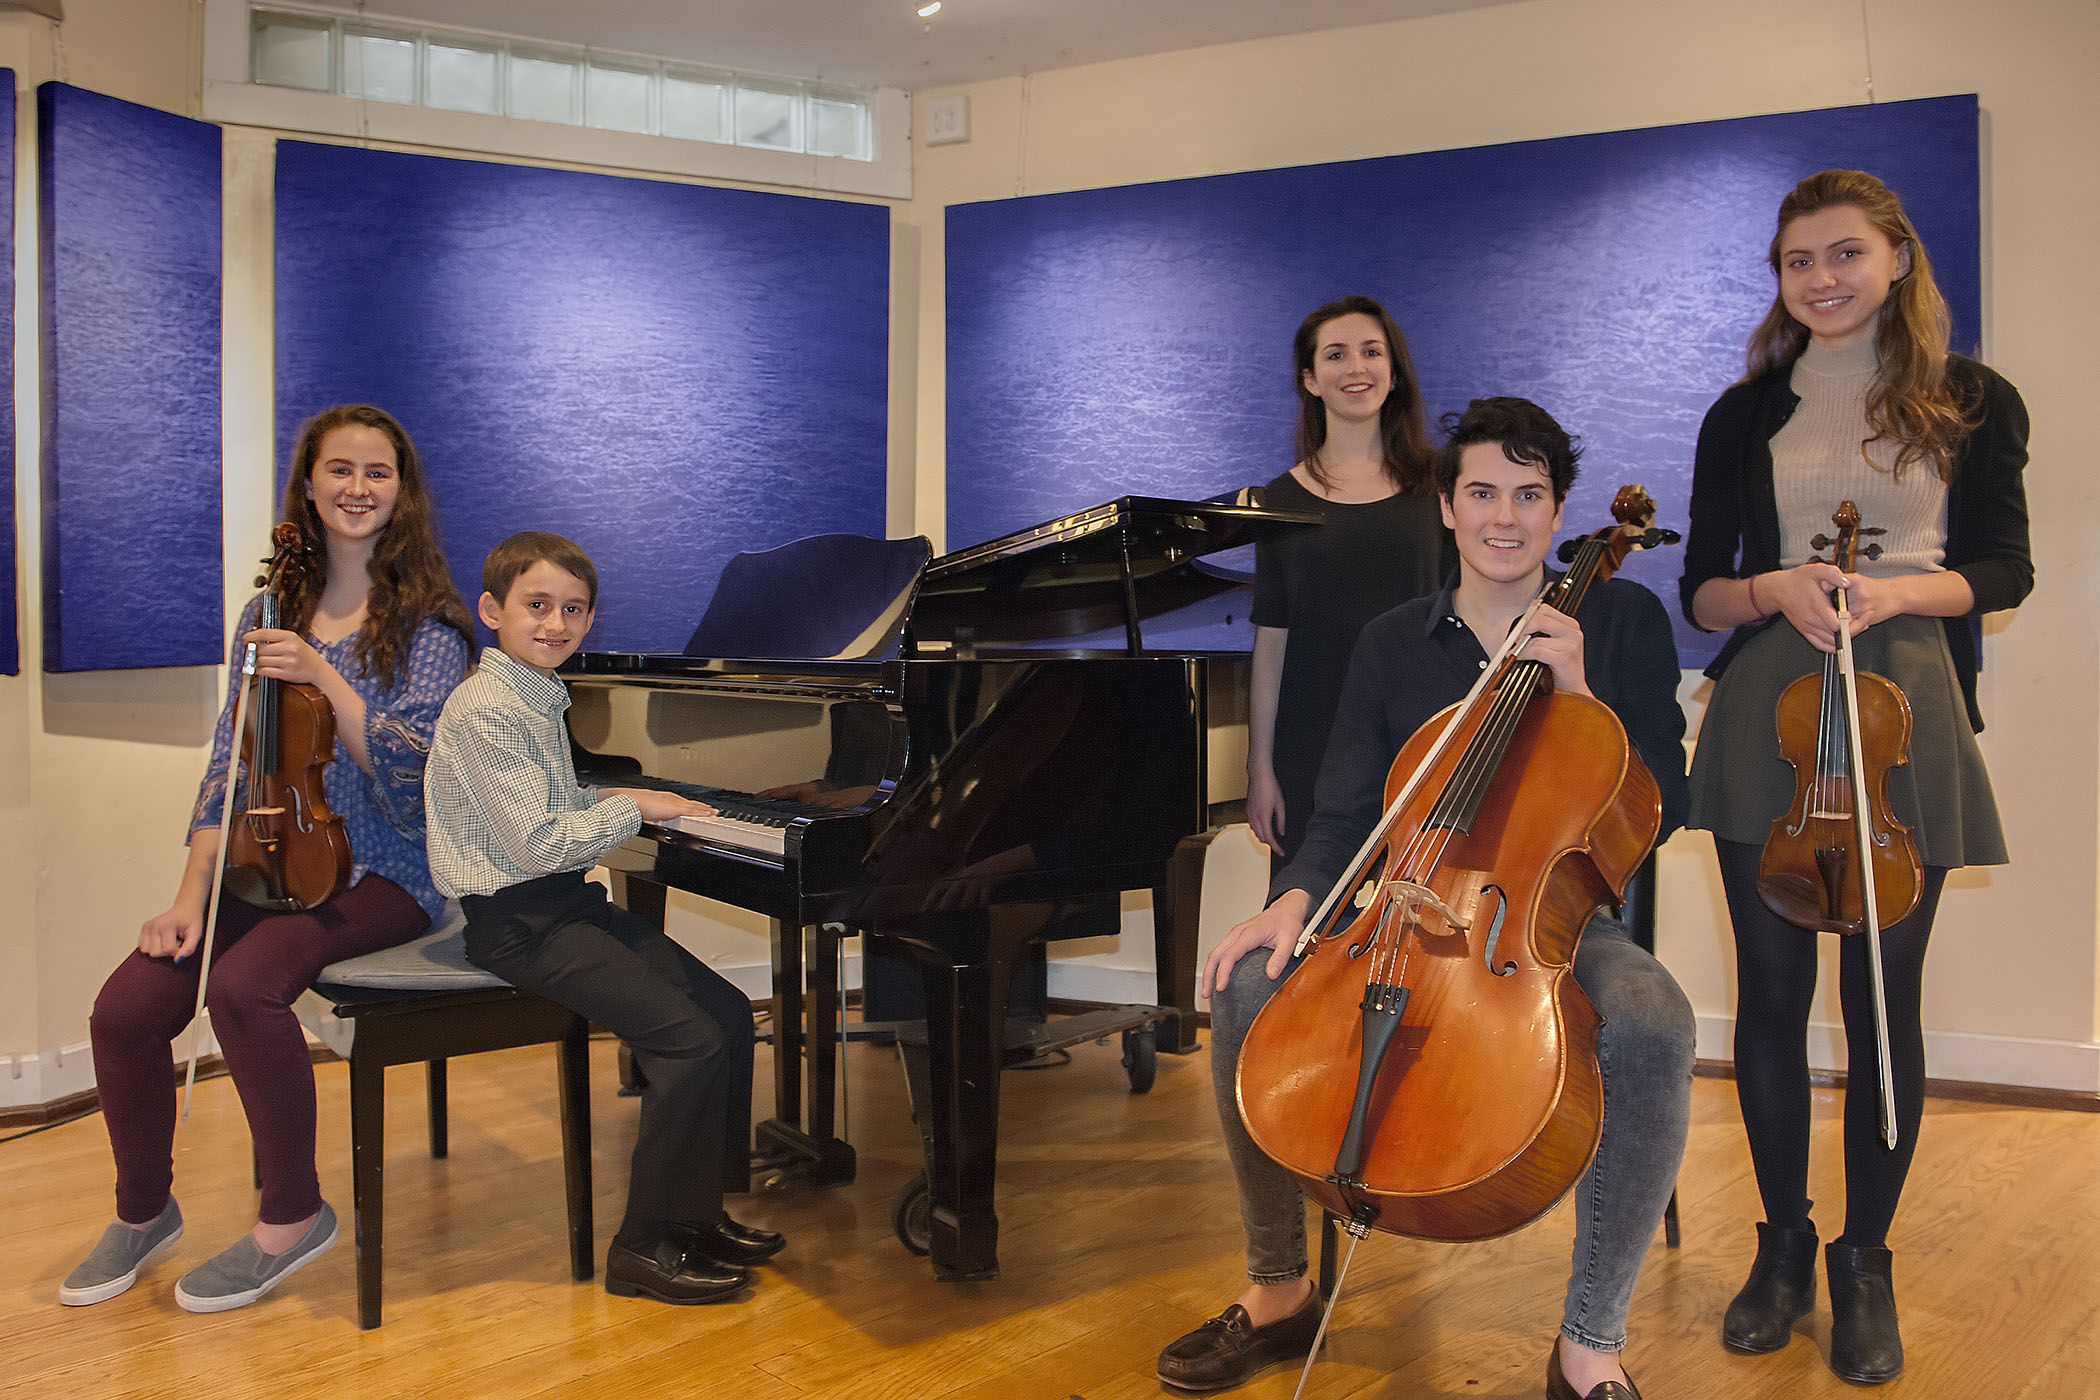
{"x":97,"y":771}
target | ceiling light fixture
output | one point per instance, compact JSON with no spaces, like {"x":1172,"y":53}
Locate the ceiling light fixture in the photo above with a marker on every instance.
{"x":929,"y":11}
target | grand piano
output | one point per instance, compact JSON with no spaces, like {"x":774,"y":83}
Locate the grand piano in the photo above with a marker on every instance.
{"x":1024,"y":752}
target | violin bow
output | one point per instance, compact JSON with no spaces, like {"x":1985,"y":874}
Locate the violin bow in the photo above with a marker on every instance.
{"x":1862,"y":823}
{"x":218,"y":875}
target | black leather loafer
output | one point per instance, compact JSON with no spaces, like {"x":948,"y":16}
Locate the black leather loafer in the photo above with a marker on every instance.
{"x":1781,"y":1290}
{"x":1227,"y":1350}
{"x":667,"y":1272}
{"x":729,"y":1242}
{"x":1557,"y":1387}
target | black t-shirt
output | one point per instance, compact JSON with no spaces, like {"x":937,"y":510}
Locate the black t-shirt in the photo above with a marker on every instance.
{"x":1418,"y":658}
{"x":1324,"y":585}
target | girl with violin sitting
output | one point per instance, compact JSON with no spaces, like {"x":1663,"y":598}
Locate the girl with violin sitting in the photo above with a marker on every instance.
{"x":376,"y":626}
{"x":1851,"y":396}
{"x":1501,"y":477}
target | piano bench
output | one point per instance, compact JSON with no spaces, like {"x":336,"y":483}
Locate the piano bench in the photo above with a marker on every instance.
{"x":423,"y":1001}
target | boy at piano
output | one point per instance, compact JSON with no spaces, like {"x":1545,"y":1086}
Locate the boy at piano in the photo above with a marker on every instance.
{"x":511,"y":835}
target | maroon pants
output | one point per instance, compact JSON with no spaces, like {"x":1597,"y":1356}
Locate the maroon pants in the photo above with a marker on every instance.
{"x":260,"y":964}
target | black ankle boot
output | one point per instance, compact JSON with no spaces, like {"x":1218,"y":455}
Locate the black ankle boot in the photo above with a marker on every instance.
{"x":1865,"y":1345}
{"x":1781,"y":1288}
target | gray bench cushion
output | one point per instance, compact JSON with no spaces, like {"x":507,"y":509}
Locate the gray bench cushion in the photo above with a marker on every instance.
{"x":436,"y":962}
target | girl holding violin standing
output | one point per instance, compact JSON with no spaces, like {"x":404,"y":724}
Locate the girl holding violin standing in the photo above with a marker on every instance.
{"x":1363,"y":465}
{"x":377,"y":627}
{"x":1851,"y":395}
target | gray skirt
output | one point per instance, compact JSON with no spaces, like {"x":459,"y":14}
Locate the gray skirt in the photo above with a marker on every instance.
{"x":1740,"y":784}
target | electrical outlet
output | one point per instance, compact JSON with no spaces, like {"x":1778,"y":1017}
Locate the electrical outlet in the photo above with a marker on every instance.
{"x":947,"y":120}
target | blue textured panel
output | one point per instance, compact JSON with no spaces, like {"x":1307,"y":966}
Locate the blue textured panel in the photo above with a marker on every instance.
{"x":665,"y":373}
{"x":10,"y":604}
{"x":1138,"y":339}
{"x":128,"y":209}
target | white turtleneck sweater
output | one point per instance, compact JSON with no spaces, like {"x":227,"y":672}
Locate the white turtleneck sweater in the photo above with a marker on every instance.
{"x":1817,"y":463}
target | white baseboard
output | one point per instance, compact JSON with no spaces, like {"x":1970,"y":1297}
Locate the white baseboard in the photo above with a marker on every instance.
{"x":1977,"y":1059}
{"x":46,"y":1076}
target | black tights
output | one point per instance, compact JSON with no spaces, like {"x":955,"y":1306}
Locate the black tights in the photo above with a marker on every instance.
{"x":1775,"y":978}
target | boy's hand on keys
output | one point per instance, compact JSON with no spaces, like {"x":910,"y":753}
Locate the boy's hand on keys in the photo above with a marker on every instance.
{"x":662,"y":807}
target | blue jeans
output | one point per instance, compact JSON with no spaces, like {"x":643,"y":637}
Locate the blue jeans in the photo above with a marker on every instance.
{"x":1645,"y":1051}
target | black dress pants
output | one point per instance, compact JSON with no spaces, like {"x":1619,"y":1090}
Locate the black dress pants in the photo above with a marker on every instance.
{"x":559,"y":937}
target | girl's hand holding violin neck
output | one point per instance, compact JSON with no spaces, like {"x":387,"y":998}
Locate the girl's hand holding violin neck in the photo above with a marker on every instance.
{"x":287,"y":656}
{"x":1556,"y":640}
{"x":1275,"y":928}
{"x":1804,"y":595}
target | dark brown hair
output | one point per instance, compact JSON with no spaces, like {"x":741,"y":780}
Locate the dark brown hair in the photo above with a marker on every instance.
{"x":1402,"y":420}
{"x":408,"y":578}
{"x":1526,"y":433}
{"x":1910,"y":401}
{"x":528,"y":547}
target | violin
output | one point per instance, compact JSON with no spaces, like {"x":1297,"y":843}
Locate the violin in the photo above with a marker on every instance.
{"x":1430,"y":1069}
{"x":1844,"y":730}
{"x":1806,"y":875}
{"x":288,"y":851}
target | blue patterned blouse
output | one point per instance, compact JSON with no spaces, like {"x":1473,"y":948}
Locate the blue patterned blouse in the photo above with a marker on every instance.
{"x":383,"y":814}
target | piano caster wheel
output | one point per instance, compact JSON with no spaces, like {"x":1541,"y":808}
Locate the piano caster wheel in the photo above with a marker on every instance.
{"x":912,"y":1216}
{"x":775,"y":1184}
{"x":1141,"y":1058}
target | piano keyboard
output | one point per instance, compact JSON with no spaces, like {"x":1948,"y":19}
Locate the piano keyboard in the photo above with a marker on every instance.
{"x":747,"y":822}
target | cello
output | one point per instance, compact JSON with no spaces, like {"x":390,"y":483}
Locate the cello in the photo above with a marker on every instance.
{"x":289,"y":851}
{"x":1844,"y":730}
{"x":1430,"y":1067}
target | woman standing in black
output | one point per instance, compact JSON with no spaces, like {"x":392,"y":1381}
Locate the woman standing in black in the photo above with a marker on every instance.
{"x":1363,"y":450}
{"x":1851,"y":395}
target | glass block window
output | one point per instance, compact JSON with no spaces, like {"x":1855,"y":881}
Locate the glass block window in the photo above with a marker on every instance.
{"x":379,"y":65}
{"x":461,"y":79}
{"x":618,"y":99}
{"x":322,"y":51}
{"x":293,"y":51}
{"x":544,"y":89}
{"x":698,"y":109}
{"x":838,"y":128}
{"x":768,"y":118}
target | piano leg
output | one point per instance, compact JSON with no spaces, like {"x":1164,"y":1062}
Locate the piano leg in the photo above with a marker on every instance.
{"x":966,"y":1041}
{"x":812,"y":1151}
{"x":787,"y":1023}
{"x":1177,"y":917}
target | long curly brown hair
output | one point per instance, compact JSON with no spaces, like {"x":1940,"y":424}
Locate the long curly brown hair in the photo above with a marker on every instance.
{"x":1910,"y":401}
{"x":409,"y":580}
{"x":1403,"y":430}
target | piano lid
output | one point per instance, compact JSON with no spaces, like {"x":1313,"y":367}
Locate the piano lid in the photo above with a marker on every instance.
{"x":1112,"y":565}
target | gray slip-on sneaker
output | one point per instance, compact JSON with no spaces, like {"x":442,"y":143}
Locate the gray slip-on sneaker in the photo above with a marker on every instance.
{"x":242,"y":1274}
{"x":117,"y":1258}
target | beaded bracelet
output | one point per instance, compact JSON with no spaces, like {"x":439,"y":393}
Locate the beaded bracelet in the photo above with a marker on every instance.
{"x":1761,"y":613}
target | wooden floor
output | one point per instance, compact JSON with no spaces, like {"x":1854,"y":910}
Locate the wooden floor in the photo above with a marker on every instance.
{"x":1119,"y":1233}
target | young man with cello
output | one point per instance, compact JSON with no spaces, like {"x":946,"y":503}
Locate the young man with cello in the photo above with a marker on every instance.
{"x":1502,"y":476}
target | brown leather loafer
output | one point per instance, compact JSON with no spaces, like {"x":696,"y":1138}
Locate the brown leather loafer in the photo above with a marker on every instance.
{"x":1229,"y":1349}
{"x":1557,"y":1387}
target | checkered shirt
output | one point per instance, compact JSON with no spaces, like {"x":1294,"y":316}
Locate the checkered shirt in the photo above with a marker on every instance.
{"x":501,"y":792}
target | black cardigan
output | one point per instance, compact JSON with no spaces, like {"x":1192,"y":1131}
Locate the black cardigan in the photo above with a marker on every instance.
{"x":1735,"y":516}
